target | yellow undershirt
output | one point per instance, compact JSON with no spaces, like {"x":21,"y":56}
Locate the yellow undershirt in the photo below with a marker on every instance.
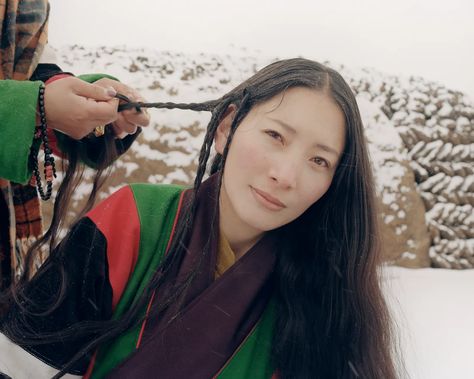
{"x":225,"y":256}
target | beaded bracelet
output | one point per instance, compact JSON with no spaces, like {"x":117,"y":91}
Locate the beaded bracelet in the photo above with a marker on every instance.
{"x":49,"y":166}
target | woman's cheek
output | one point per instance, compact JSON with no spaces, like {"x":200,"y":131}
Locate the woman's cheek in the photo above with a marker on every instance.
{"x":318,"y":191}
{"x":250,"y":155}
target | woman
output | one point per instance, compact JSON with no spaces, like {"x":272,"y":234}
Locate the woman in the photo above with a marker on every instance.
{"x":146,"y":285}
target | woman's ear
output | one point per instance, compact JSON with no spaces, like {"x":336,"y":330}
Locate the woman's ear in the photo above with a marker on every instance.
{"x":223,"y":130}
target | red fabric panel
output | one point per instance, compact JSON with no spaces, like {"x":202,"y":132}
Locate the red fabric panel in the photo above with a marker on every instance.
{"x":117,"y":218}
{"x":56,"y":77}
{"x":88,"y":373}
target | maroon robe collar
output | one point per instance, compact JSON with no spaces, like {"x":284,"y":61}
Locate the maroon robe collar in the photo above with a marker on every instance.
{"x":217,"y":315}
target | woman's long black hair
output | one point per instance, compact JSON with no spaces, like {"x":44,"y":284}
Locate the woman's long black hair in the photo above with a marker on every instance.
{"x":332,"y":319}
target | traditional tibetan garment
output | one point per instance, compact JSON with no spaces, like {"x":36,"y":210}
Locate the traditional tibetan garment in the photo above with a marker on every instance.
{"x":225,"y":326}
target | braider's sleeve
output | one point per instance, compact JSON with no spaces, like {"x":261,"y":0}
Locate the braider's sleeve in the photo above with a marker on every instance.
{"x":18,"y":101}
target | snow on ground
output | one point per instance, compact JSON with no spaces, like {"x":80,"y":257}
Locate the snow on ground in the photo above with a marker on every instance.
{"x":434,"y":310}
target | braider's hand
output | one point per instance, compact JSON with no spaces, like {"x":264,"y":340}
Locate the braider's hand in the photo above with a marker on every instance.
{"x":75,"y":107}
{"x":128,"y":120}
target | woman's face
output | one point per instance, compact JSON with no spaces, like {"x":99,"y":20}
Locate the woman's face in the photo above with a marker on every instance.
{"x":282,"y":159}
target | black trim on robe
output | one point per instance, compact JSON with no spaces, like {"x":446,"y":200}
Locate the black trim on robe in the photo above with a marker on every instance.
{"x":44,"y":71}
{"x":89,"y":296}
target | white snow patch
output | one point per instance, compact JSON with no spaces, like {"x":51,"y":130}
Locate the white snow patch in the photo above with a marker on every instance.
{"x":433,"y":309}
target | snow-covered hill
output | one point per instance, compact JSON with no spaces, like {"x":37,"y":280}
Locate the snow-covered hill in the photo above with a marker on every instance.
{"x":421,"y":139}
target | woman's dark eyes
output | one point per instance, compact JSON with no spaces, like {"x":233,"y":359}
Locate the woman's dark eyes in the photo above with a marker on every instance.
{"x":320,"y":161}
{"x":274,"y":135}
{"x":277,"y":136}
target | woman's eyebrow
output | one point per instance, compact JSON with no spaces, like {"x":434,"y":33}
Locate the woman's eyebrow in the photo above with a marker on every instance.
{"x":286,"y":126}
{"x":292,"y":130}
{"x":327,"y":149}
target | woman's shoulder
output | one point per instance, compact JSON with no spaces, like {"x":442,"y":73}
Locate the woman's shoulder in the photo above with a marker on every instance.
{"x":157,"y":201}
{"x":138,"y":201}
{"x":154,"y":192}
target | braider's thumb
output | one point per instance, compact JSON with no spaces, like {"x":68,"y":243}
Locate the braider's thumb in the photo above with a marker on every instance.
{"x":95,"y":92}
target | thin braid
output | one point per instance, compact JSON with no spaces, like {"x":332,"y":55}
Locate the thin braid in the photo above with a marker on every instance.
{"x":208,"y":141}
{"x":207,"y":106}
{"x":241,"y":113}
{"x":204,"y":156}
{"x":176,"y":249}
{"x":219,"y":160}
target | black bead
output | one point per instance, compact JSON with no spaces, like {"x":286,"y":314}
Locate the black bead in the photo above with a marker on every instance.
{"x":48,"y":158}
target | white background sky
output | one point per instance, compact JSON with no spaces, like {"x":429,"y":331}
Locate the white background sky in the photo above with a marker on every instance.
{"x":434,"y":39}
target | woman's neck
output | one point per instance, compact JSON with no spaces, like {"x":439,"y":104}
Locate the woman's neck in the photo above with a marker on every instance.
{"x":239,"y":234}
{"x":240,"y":240}
{"x":240,"y":246}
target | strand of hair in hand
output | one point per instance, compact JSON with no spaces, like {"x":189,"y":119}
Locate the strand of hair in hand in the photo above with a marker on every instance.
{"x":128,"y":104}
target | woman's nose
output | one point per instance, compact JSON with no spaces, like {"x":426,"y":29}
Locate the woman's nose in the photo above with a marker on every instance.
{"x":284,"y":172}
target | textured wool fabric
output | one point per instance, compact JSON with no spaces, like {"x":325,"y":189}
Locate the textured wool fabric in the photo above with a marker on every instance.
{"x":23,"y":36}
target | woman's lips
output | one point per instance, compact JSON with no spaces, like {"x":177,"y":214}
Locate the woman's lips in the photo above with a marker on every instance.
{"x":267,"y":200}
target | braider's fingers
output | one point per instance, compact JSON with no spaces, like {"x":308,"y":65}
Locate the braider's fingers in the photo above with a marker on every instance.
{"x":101,"y":112}
{"x":93,"y":91}
{"x":141,"y":118}
{"x":138,"y":117}
{"x":119,"y":133}
{"x":123,"y":125}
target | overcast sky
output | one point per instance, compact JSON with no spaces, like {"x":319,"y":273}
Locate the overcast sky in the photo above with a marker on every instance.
{"x":434,"y":39}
